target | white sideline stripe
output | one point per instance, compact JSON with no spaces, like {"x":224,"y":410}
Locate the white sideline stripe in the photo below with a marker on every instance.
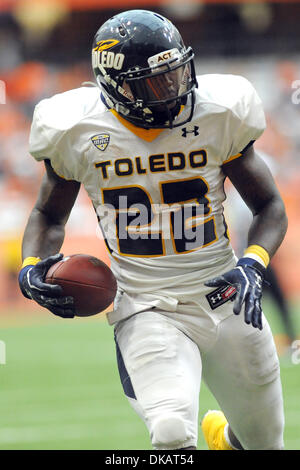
{"x":293,"y":444}
{"x":56,"y":417}
{"x":39,"y":434}
{"x":50,"y":433}
{"x":293,"y":420}
{"x":75,"y":389}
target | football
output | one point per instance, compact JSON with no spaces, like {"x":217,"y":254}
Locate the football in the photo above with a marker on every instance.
{"x":86,"y":278}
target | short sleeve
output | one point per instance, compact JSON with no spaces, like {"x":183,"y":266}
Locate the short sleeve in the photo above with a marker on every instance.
{"x":248,"y":119}
{"x":43,"y":142}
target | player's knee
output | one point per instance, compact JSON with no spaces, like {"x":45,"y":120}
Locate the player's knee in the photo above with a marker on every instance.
{"x":169,"y":431}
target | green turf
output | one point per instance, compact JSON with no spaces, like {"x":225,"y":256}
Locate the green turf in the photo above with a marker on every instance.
{"x":60,"y":390}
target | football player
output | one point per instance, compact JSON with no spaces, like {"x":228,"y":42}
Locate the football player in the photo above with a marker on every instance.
{"x":152,"y":144}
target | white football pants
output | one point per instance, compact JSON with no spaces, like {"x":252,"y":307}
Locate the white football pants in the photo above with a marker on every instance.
{"x":163,"y":356}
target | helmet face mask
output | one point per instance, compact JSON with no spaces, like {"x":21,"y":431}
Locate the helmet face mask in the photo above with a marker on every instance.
{"x":145,"y":82}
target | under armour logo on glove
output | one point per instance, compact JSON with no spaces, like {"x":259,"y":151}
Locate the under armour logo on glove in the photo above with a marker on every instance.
{"x":247,"y":278}
{"x":185,"y":131}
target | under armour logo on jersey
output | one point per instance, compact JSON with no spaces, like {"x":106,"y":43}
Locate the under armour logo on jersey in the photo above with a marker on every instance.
{"x":195,"y":131}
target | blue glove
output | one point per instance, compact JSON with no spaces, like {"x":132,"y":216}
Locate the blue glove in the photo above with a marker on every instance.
{"x":247,"y":277}
{"x":32,"y":285}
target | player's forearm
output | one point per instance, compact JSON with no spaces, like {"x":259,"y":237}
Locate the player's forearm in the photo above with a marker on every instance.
{"x":269,"y":226}
{"x":42,"y":237}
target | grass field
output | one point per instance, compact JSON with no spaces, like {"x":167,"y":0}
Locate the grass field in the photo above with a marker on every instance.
{"x":60,"y":388}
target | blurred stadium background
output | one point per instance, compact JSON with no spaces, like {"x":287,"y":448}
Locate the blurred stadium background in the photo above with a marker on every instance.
{"x":59,"y":388}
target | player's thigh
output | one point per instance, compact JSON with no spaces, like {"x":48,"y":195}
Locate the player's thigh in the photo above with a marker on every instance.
{"x":242,"y":371}
{"x":160,"y":368}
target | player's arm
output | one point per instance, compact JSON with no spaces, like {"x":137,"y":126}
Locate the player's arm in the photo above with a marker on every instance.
{"x":43,"y":238}
{"x":45,"y":230}
{"x":253,"y":180}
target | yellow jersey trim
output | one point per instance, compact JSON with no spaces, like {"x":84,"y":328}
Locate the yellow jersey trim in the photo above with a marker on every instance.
{"x":146,"y":134}
{"x":29,"y":261}
{"x":233,"y":157}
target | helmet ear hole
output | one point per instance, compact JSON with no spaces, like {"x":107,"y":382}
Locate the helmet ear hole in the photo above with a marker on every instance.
{"x":122,"y":31}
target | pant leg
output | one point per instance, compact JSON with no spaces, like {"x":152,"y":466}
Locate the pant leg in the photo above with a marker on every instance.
{"x":242,"y":372}
{"x":160,"y":368}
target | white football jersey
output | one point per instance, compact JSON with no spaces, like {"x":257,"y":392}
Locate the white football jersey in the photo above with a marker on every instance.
{"x":158,"y":193}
